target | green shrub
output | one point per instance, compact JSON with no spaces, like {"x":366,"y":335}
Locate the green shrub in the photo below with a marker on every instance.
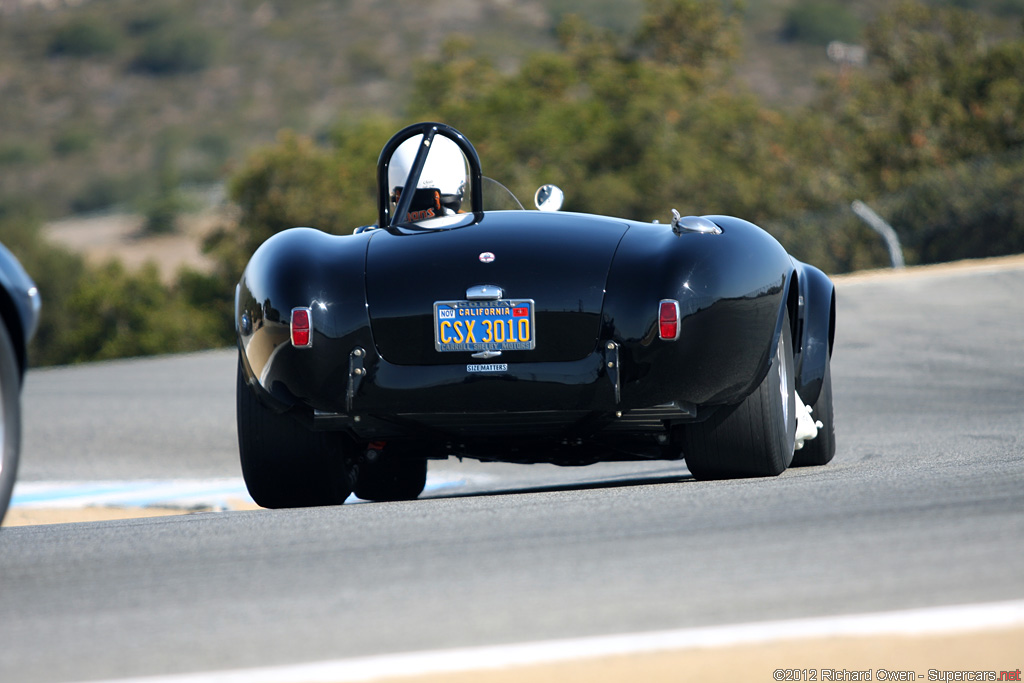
{"x":214,"y":144}
{"x":15,"y":153}
{"x":93,"y":313}
{"x":176,"y":49}
{"x":819,"y":22}
{"x":73,"y":141}
{"x":366,"y":61}
{"x":1004,"y":8}
{"x":104,"y":192}
{"x":152,"y":17}
{"x":85,"y":37}
{"x":1009,"y":8}
{"x":162,"y":212}
{"x":972,"y":210}
{"x":833,"y":239}
{"x":619,"y":15}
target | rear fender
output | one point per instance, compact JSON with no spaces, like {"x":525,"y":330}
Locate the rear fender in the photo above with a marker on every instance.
{"x":732,"y":289}
{"x":815,"y":330}
{"x":307,"y":268}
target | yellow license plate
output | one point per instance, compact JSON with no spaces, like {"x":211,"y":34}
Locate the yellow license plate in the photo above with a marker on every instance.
{"x":503,"y":325}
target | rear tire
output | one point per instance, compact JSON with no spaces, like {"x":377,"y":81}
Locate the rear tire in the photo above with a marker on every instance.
{"x":821,"y":449}
{"x":756,"y":437}
{"x":386,"y":478}
{"x":10,"y":418}
{"x":286,"y":465}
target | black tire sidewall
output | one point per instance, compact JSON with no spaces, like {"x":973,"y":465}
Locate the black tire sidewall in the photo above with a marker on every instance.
{"x":753,"y":438}
{"x":284,"y":464}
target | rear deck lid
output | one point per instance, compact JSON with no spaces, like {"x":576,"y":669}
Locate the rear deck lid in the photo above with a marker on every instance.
{"x":547,"y":272}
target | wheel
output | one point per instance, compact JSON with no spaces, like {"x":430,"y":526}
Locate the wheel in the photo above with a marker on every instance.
{"x":820,"y":449}
{"x":286,"y":465}
{"x":756,"y":437}
{"x":10,"y":418}
{"x":386,"y":477}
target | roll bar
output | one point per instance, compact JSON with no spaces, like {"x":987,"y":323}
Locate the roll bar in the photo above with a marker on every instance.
{"x":428,"y":130}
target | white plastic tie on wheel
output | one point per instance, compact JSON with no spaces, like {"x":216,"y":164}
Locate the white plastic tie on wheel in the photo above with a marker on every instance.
{"x":806,"y":426}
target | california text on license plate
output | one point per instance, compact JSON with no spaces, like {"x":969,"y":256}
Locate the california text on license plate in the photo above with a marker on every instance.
{"x":503,"y":325}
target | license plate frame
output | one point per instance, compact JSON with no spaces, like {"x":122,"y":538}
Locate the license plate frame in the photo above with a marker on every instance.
{"x":462,"y":326}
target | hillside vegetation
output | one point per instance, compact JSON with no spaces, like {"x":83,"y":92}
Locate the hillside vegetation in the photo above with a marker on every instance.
{"x":633,"y":108}
{"x":106,"y":102}
{"x":100,"y":98}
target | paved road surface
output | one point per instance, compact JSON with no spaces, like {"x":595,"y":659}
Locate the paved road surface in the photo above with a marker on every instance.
{"x":923,"y":506}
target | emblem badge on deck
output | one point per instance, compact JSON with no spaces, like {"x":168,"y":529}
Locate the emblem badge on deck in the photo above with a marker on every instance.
{"x":486,"y":257}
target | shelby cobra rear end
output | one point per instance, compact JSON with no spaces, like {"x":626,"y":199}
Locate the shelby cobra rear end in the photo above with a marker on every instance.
{"x":521,"y":336}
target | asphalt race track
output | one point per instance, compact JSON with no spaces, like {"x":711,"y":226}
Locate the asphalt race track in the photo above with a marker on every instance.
{"x":922,"y":507}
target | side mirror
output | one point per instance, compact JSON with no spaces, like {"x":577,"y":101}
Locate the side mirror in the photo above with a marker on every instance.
{"x":548,"y":198}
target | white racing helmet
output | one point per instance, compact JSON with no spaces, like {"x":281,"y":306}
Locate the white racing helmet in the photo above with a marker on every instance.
{"x":442,"y":183}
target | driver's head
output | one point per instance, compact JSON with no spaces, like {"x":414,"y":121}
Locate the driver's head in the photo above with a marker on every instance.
{"x":442,"y":182}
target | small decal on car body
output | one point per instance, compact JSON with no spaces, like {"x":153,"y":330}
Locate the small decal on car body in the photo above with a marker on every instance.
{"x":486,"y":257}
{"x":489,"y":367}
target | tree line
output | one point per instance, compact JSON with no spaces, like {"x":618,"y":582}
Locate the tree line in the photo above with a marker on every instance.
{"x":930,"y":131}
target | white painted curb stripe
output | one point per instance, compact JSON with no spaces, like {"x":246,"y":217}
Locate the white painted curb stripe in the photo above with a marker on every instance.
{"x":174,"y":493}
{"x":128,"y":493}
{"x":927,"y":621}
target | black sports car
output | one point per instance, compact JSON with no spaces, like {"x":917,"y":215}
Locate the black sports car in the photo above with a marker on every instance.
{"x":463,"y":325}
{"x":19,"y":315}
